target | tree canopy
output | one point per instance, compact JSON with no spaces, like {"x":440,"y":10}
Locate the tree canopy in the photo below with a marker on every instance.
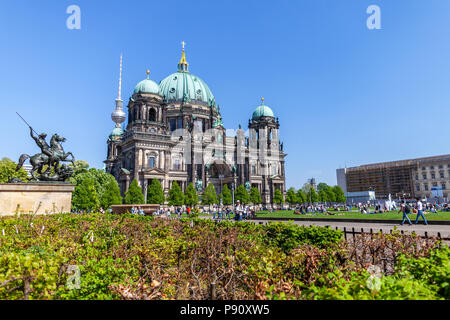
{"x":291,"y":196}
{"x":307,"y":194}
{"x":227,"y":197}
{"x":85,"y":196}
{"x":241,"y":194}
{"x":209,"y":195}
{"x":155,"y":193}
{"x":134,"y":194}
{"x":8,"y":171}
{"x":301,"y":196}
{"x":278,"y":197}
{"x":111,"y":195}
{"x":255,"y":196}
{"x":176,"y":196}
{"x":190,"y":195}
{"x":105,"y":185}
{"x":339,"y":194}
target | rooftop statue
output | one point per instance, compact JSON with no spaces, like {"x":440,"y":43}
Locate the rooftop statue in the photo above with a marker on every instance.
{"x":50,"y":155}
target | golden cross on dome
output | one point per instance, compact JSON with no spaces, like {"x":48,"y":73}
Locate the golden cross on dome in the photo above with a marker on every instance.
{"x":262,"y":100}
{"x":148,"y":73}
{"x":183,"y":44}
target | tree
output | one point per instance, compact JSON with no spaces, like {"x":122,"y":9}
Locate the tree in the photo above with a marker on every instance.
{"x":330,"y":194}
{"x":323,"y":196}
{"x":326,"y":193}
{"x":339,"y":194}
{"x":321,"y":186}
{"x":226,"y":195}
{"x":278,"y":197}
{"x":291,"y":196}
{"x":176,"y":196}
{"x":310,"y":193}
{"x":85,"y":196}
{"x":242,"y":195}
{"x":255,"y":196}
{"x":155,"y":193}
{"x":111,"y":196}
{"x":8,"y":171}
{"x":209,"y":195}
{"x":101,"y":181}
{"x":301,"y":196}
{"x":80,"y":166}
{"x":190,"y":196}
{"x":134,"y":194}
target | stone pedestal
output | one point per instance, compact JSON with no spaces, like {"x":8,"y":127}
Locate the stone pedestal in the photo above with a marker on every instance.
{"x":39,"y":198}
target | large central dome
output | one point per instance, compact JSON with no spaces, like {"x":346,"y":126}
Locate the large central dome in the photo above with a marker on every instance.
{"x":183,"y":86}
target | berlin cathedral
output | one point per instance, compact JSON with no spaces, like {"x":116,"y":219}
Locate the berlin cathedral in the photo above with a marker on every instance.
{"x":175,"y":133}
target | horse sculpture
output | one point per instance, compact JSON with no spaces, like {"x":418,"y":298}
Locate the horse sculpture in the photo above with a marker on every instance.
{"x":57,"y":154}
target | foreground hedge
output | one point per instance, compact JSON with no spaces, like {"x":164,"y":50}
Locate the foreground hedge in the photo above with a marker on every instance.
{"x":133,"y":257}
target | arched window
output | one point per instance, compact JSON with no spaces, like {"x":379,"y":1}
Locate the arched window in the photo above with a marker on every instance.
{"x":176,"y":164}
{"x":136,"y":113}
{"x":151,"y":162}
{"x":152,"y":114}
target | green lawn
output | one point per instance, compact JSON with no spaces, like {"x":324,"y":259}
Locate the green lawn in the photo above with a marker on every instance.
{"x":392,"y":215}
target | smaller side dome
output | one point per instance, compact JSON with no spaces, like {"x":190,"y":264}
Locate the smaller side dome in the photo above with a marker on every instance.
{"x":263,"y":111}
{"x":147,"y":86}
{"x":117,"y":132}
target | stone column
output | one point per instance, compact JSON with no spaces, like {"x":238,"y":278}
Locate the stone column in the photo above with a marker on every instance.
{"x":127,"y":184}
{"x":136,"y":164}
{"x":161,"y":162}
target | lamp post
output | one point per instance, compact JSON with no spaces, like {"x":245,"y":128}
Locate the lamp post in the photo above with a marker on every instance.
{"x":232,"y":193}
{"x":221,"y":176}
{"x":145,"y":191}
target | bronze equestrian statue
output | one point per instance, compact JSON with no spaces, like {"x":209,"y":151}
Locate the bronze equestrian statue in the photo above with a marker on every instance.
{"x":50,"y":155}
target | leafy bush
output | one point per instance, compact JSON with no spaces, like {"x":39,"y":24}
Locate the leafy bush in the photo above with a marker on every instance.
{"x":142,"y":257}
{"x":290,"y":236}
{"x":434,"y":270}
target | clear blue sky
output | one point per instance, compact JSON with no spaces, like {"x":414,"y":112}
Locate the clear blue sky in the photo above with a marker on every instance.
{"x":345,"y":95}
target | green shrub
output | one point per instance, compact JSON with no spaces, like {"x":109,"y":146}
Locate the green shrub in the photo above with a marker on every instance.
{"x":434,"y":271}
{"x":290,"y":236}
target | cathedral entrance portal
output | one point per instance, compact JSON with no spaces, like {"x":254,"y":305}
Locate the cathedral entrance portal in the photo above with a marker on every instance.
{"x":219,"y":174}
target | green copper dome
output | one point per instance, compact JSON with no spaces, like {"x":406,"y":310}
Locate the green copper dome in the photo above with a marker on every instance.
{"x":263,"y":111}
{"x":183,"y":86}
{"x":147,"y":86}
{"x":117,"y":132}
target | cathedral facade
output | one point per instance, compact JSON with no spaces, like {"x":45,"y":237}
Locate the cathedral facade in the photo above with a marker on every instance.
{"x":174,"y":133}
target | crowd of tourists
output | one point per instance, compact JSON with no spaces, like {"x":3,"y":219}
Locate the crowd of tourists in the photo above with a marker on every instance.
{"x":216,"y":212}
{"x":319,"y":208}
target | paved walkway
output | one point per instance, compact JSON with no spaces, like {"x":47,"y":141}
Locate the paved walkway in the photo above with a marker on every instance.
{"x":420,"y":229}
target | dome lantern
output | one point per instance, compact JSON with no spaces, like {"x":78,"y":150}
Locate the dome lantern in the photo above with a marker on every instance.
{"x":182,"y":86}
{"x":183,"y":65}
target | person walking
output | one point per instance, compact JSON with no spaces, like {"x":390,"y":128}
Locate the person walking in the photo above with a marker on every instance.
{"x":420,"y":212}
{"x":238,"y":213}
{"x":405,"y":209}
